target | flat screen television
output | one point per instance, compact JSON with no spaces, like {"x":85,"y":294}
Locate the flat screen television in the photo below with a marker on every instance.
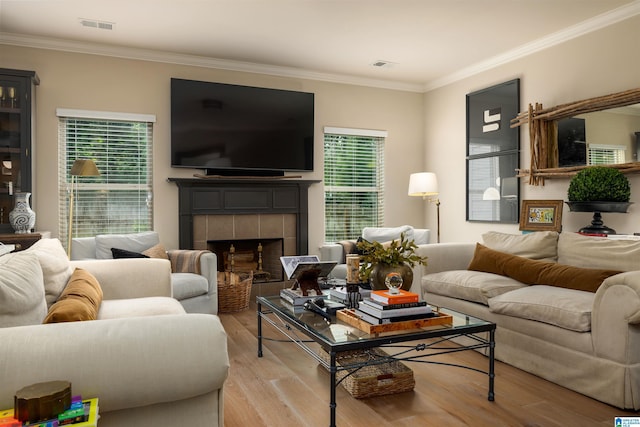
{"x":229,"y":129}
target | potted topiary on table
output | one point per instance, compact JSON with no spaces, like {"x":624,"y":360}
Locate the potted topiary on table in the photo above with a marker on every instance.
{"x":378,"y":260}
{"x":599,"y":189}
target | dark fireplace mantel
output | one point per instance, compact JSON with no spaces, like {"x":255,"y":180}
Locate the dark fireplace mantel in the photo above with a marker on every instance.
{"x":229,"y":196}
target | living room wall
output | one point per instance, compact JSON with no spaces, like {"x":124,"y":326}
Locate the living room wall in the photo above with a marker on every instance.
{"x":599,"y":63}
{"x":95,"y":82}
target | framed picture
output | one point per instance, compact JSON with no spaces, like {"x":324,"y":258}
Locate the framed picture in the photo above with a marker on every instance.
{"x":540,"y":215}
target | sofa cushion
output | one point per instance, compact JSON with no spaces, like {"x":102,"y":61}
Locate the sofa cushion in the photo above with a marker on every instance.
{"x":188,"y":285}
{"x":540,"y":245}
{"x":135,"y":242}
{"x":534,"y":272}
{"x":468,"y":285}
{"x":385,"y":234}
{"x":566,"y":308}
{"x":598,"y":252}
{"x":21,"y":290}
{"x":83,"y":248}
{"x":80,"y":299}
{"x":139,"y":307}
{"x":55,"y":265}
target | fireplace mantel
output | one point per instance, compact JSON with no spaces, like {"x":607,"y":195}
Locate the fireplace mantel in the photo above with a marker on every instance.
{"x":240,"y":196}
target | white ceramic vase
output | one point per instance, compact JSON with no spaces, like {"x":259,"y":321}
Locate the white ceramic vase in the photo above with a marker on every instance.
{"x":22,"y":218}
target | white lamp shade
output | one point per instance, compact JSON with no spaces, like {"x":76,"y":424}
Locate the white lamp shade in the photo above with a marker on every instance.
{"x":491,"y":193}
{"x":423,"y":184}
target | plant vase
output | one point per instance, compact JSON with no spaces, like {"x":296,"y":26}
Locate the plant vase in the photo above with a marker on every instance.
{"x":597,"y":225}
{"x":22,"y":218}
{"x":380,"y":271}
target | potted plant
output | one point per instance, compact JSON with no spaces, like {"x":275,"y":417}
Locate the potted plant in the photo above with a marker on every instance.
{"x":599,"y":189}
{"x":378,"y":260}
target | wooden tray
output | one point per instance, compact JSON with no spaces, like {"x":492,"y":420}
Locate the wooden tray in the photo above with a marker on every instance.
{"x":349,"y":316}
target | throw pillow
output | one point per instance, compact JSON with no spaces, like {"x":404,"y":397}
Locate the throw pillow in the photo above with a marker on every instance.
{"x":598,"y":252}
{"x":534,"y":272}
{"x":55,"y":265}
{"x":135,"y":242}
{"x":80,"y":299}
{"x":22,"y":300}
{"x":541,"y":245}
{"x":157,"y":251}
{"x":123,"y":253}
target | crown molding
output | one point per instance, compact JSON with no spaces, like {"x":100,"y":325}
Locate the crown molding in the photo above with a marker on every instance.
{"x":596,"y":23}
{"x":196,"y":61}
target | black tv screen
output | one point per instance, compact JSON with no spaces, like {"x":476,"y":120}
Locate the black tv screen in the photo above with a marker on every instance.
{"x":240,"y":130}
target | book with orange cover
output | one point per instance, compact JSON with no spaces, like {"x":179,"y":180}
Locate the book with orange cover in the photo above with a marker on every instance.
{"x":402,"y":298}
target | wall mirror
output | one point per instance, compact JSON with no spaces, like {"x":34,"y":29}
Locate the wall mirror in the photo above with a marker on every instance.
{"x":493,"y":154}
{"x":569,"y":137}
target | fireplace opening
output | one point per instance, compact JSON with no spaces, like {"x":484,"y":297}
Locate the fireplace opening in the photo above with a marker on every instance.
{"x":261,"y":256}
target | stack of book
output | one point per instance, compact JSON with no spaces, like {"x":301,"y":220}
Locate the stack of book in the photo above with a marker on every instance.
{"x":295,"y":297}
{"x":383,"y":307}
{"x":339,"y":294}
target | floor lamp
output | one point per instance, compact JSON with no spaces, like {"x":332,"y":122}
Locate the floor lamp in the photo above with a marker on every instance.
{"x":81,"y":167}
{"x":425,"y":185}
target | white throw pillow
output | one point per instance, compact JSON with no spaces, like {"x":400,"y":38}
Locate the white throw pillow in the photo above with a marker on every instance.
{"x":598,"y":252}
{"x":134,"y":242}
{"x":386,"y":234}
{"x":21,"y":290}
{"x":55,"y":267}
{"x":540,"y":245}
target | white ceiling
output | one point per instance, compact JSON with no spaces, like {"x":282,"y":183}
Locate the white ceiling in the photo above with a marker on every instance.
{"x":428,"y":42}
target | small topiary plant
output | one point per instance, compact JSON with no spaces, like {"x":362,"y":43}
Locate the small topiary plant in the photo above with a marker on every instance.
{"x":599,"y":184}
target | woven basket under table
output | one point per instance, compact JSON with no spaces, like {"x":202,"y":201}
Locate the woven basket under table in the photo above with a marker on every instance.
{"x":374,"y":380}
{"x":234,"y":291}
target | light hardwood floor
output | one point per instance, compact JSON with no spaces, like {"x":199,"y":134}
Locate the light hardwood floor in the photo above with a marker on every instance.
{"x":286,"y":387}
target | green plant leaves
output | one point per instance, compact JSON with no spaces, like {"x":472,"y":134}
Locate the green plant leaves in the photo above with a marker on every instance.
{"x":599,"y":184}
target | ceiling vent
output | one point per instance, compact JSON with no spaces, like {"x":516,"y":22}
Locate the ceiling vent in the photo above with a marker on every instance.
{"x":383,"y":64}
{"x":92,"y":23}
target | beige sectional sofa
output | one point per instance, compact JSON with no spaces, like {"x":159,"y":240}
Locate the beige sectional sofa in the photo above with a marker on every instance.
{"x":586,"y":341}
{"x":147,"y":361}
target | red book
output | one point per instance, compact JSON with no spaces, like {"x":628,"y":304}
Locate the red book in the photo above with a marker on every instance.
{"x":388,"y":298}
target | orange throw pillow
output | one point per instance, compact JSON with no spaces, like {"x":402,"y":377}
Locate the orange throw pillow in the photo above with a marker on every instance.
{"x":80,"y":299}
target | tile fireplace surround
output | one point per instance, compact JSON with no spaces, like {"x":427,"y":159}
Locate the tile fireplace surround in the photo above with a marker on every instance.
{"x":228,"y":209}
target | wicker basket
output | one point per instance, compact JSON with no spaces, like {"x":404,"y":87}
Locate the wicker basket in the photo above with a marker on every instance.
{"x":234,"y":291}
{"x":375,"y":380}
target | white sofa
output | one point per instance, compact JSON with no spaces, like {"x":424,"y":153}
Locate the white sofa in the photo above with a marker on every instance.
{"x":337,"y":251}
{"x":586,"y":341}
{"x":147,"y":361}
{"x":195,"y":286}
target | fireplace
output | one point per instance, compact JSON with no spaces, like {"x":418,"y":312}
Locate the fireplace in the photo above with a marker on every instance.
{"x":261,"y":256}
{"x":244,"y":210}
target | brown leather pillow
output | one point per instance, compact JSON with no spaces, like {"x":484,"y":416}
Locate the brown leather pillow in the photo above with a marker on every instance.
{"x":80,"y":299}
{"x":532,"y":272}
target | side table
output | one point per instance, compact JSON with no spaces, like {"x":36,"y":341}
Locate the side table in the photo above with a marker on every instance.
{"x":23,"y":241}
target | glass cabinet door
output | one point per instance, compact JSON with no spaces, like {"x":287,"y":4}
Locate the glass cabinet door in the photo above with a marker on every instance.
{"x":16,"y":103}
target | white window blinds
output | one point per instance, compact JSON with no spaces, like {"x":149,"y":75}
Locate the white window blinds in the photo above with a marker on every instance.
{"x":600,"y":154}
{"x":353,"y":182}
{"x":120,"y":199}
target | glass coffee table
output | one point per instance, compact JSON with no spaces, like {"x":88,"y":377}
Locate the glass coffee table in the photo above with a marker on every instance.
{"x":305,"y":328}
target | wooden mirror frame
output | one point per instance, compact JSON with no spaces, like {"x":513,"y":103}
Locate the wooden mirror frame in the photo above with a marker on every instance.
{"x":543,"y":129}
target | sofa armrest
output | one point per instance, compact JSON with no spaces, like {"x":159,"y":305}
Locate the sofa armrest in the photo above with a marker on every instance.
{"x":615,"y":318}
{"x":331,"y":252}
{"x":441,"y":257}
{"x":126,"y":363}
{"x":130,"y":277}
{"x":202,"y":262}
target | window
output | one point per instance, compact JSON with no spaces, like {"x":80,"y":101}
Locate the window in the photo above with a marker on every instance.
{"x":353,"y":181}
{"x":120,"y":199}
{"x":600,"y":154}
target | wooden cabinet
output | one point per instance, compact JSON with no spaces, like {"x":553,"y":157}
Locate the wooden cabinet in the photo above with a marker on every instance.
{"x":17,"y":107}
{"x":23,"y":241}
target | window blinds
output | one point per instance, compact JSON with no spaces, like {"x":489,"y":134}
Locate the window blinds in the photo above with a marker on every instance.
{"x":120,"y":200}
{"x":353,"y":182}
